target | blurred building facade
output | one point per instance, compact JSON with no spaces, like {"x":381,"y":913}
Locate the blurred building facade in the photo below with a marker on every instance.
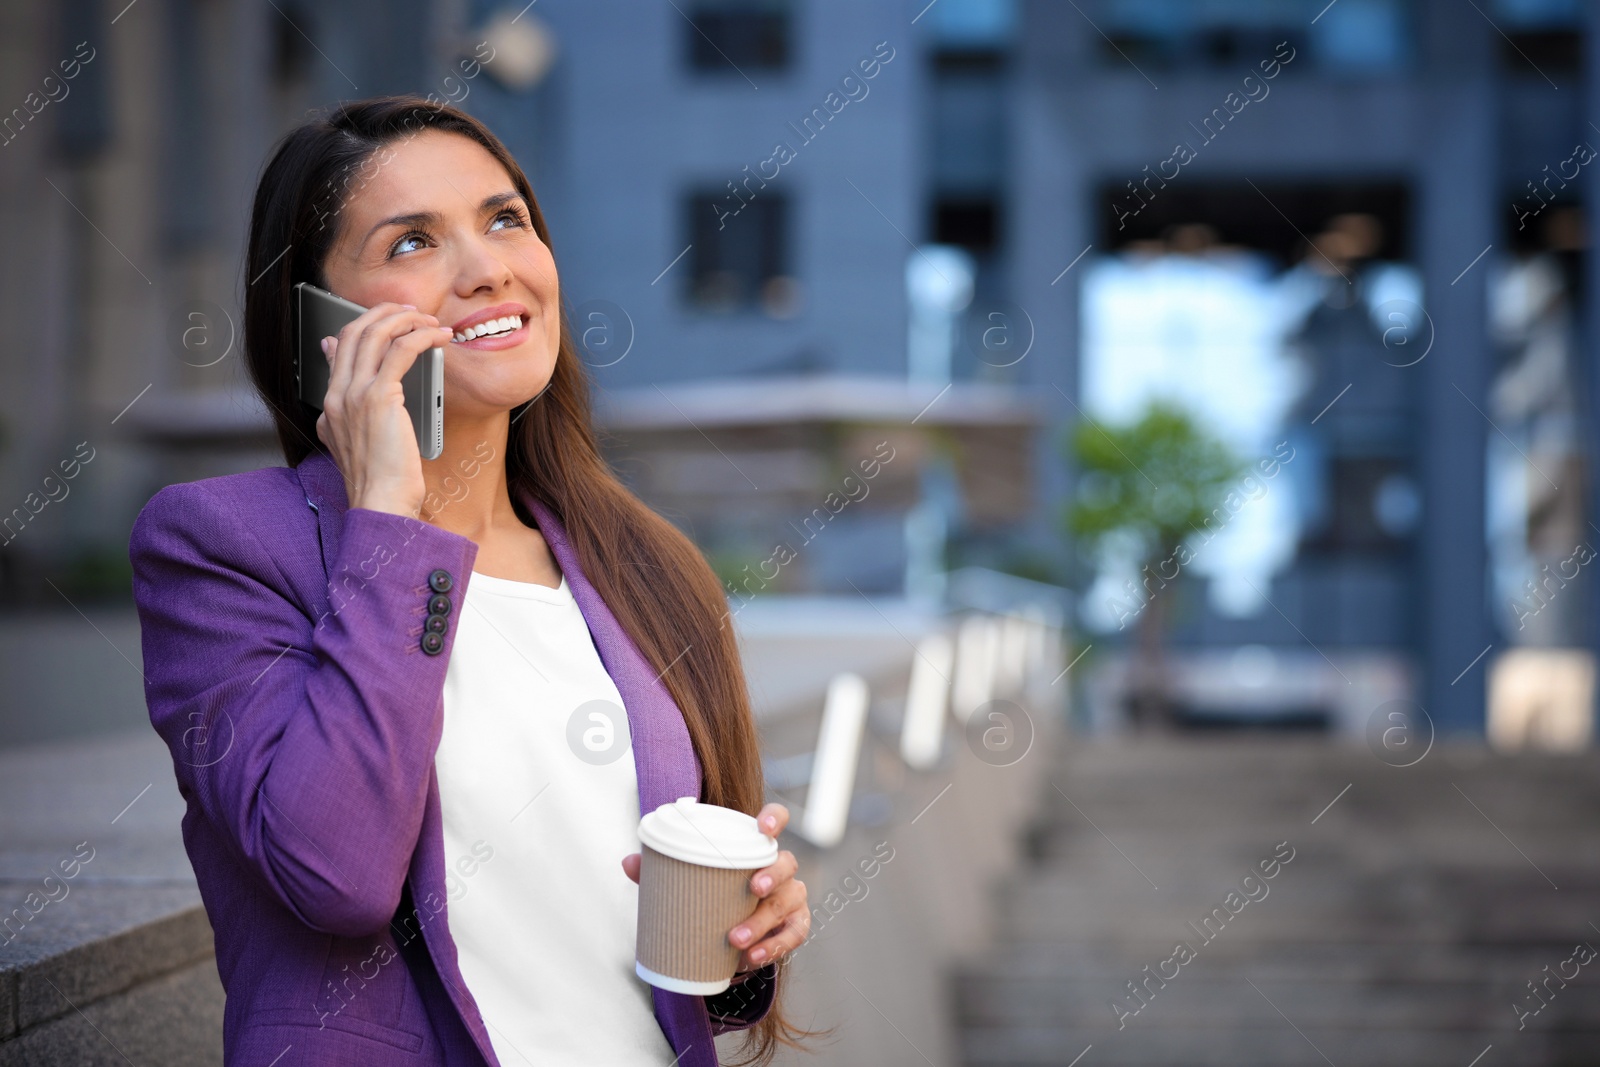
{"x":810,"y":217}
{"x":1353,"y":145}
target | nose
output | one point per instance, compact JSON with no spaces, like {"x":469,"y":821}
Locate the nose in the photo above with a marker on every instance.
{"x":481,"y":268}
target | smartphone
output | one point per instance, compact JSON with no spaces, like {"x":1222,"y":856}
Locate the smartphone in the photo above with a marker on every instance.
{"x":321,"y":314}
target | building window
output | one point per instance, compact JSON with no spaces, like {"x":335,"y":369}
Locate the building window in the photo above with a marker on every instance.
{"x":734,"y":36}
{"x":972,"y":26}
{"x":738,"y":257}
{"x":1370,"y":505}
{"x":1539,"y":37}
{"x":971,"y":222}
{"x":1354,"y":36}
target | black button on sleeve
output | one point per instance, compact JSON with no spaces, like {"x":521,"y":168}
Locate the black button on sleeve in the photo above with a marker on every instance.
{"x":432,"y":643}
{"x":436,"y":624}
{"x":440,"y":581}
{"x":439,"y":604}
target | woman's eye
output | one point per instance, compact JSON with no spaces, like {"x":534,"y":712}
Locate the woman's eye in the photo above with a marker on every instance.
{"x":399,"y":246}
{"x":512,"y":214}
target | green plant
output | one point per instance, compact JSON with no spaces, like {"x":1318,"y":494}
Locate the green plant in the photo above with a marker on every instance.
{"x":1146,"y":487}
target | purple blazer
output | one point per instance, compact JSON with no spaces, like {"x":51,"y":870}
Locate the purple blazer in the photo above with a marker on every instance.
{"x":286,"y":666}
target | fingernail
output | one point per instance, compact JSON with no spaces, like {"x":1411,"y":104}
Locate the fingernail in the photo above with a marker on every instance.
{"x":757,"y":955}
{"x":742,"y":934}
{"x":770,"y":821}
{"x":324,"y":344}
{"x":763,"y":884}
{"x":411,"y":307}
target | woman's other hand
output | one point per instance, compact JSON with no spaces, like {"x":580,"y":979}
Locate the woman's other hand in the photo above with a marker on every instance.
{"x":782,"y":919}
{"x":364,"y":421}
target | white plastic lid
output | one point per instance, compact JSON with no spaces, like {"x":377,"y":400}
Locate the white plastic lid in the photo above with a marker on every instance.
{"x":708,"y":835}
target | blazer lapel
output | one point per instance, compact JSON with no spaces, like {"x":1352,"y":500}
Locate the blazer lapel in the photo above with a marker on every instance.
{"x":663,"y":755}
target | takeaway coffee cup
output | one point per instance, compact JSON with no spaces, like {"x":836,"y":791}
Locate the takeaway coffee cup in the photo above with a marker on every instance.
{"x":696,"y":861}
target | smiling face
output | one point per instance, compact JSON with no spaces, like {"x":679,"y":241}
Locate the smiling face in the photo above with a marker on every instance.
{"x":441,"y":226}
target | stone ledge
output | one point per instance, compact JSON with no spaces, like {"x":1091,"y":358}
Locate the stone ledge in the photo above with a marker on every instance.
{"x":126,"y":918}
{"x":174,"y":1020}
{"x":121,"y":938}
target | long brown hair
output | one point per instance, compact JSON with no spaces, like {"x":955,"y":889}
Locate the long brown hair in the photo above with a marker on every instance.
{"x":651,"y":576}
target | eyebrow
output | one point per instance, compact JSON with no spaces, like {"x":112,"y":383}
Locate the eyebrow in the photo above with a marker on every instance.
{"x":432,"y":218}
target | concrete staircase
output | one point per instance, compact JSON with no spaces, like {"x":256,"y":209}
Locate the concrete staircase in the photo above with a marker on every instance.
{"x":1405,"y":928}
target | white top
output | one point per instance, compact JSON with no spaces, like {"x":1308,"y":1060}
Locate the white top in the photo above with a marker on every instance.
{"x":535,"y":828}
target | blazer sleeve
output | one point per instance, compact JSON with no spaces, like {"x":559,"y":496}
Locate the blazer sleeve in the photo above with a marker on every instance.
{"x":745,"y":1003}
{"x":307,"y":743}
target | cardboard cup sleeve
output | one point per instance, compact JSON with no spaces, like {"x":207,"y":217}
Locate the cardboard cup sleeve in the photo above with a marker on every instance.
{"x":696,"y":861}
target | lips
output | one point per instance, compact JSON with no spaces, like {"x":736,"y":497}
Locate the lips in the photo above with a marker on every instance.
{"x":494,"y":342}
{"x":503,"y":320}
{"x":492,"y":328}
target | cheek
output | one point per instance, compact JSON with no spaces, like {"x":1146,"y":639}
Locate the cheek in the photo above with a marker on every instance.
{"x":545,"y":282}
{"x":548,"y":289}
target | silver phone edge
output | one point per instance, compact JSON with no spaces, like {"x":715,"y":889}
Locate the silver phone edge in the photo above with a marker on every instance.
{"x":430,"y":431}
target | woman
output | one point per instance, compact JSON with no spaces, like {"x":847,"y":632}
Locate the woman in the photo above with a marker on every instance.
{"x":416,"y":707}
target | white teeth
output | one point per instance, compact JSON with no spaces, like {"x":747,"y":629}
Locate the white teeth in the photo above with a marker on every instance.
{"x":510,"y":322}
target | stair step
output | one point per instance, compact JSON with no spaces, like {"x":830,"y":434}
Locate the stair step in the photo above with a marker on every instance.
{"x":1416,"y":908}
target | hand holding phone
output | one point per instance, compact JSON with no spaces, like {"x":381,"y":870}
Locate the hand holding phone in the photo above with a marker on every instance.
{"x":370,"y":421}
{"x":320,"y":314}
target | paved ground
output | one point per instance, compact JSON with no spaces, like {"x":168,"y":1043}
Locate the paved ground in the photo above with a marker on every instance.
{"x":1405,"y":929}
